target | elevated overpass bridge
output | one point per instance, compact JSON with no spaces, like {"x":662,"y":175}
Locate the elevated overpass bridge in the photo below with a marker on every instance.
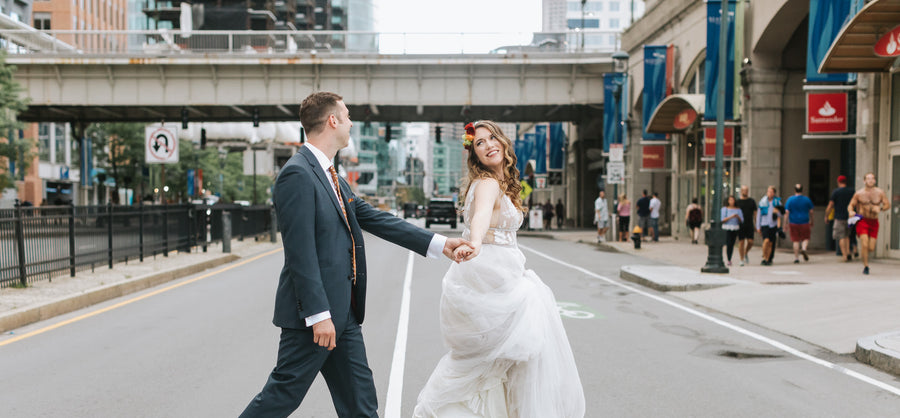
{"x":101,"y":76}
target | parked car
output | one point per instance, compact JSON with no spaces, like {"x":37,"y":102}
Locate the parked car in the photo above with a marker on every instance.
{"x":410,"y":210}
{"x":440,"y":211}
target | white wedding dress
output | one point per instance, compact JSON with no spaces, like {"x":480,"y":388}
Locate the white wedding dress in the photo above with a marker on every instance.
{"x":509,"y":354}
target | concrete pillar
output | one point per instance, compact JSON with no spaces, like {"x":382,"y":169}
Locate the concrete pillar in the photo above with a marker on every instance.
{"x":762,"y":131}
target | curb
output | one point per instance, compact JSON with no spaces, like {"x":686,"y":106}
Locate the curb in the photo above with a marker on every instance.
{"x":677,"y":279}
{"x":20,"y":318}
{"x":870,"y":352}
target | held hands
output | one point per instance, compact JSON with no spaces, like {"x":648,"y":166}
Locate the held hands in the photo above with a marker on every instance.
{"x":466,"y":252}
{"x":451,"y":245}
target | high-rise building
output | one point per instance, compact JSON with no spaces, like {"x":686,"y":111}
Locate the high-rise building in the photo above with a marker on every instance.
{"x":14,"y":11}
{"x":608,"y":16}
{"x":448,"y":159}
{"x":87,"y":15}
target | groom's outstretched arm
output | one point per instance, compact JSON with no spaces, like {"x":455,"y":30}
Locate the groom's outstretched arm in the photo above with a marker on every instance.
{"x":395,"y":230}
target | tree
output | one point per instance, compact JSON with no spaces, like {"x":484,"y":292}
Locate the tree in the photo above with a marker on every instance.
{"x":14,"y":149}
{"x":119,"y":147}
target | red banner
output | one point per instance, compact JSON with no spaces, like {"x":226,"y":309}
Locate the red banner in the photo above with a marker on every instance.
{"x":670,"y":69}
{"x":826,"y":112}
{"x":889,"y":44}
{"x":654,"y":156}
{"x":709,"y":142}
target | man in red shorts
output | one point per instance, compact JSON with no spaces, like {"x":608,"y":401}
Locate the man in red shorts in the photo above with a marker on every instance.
{"x":868,"y":203}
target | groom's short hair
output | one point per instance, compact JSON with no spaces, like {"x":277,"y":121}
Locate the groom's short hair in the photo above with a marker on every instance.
{"x":316,"y":108}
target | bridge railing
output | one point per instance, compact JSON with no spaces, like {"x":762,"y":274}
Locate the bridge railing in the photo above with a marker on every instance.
{"x":38,"y":243}
{"x":174,"y":42}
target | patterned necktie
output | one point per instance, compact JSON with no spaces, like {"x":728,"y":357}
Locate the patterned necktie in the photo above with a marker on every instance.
{"x":337,"y":188}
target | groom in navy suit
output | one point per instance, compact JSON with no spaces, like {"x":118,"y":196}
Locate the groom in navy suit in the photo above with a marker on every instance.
{"x":321,"y":296}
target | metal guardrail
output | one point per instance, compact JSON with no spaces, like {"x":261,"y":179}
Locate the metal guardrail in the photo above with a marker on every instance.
{"x":39,"y":243}
{"x":174,"y":42}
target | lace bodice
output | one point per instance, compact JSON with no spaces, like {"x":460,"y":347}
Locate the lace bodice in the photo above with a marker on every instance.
{"x":505,"y":221}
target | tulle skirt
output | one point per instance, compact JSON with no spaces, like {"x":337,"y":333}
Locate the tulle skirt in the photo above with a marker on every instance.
{"x":509,"y":353}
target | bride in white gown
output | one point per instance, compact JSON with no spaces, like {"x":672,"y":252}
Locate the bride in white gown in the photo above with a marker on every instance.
{"x":509,"y":354}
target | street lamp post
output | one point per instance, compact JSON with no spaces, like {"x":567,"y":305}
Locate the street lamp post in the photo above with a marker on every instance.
{"x":620,"y":66}
{"x":715,"y":235}
{"x":582,"y":23}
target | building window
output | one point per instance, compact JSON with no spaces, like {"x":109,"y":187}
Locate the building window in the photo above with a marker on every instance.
{"x":42,"y":21}
{"x":614,"y":6}
{"x":588,"y":23}
{"x":574,"y":6}
{"x":614,"y":23}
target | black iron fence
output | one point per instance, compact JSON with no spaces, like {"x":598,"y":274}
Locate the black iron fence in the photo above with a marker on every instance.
{"x":38,"y":243}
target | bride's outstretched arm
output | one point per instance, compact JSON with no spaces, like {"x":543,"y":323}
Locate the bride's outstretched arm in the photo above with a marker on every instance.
{"x":486,"y":193}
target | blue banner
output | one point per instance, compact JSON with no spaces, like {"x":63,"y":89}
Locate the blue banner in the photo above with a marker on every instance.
{"x":527,"y":151}
{"x":520,"y":158}
{"x":540,"y":149}
{"x":826,"y":18}
{"x":557,"y":146}
{"x":190,"y":182}
{"x":713,"y":18}
{"x":654,"y":86}
{"x":613,"y":90}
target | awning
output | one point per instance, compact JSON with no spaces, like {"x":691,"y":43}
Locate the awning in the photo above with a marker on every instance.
{"x":676,"y":113}
{"x":853,"y":51}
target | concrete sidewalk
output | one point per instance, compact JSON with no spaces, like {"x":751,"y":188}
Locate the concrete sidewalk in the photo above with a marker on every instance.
{"x":45,"y":299}
{"x":825,"y":301}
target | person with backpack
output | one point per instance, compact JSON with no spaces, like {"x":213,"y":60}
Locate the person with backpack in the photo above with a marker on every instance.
{"x":694,"y":219}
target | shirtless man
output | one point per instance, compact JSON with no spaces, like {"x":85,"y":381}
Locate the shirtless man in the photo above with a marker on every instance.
{"x":868,"y":203}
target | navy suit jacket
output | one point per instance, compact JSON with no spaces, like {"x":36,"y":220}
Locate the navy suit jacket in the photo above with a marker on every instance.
{"x":318,"y":267}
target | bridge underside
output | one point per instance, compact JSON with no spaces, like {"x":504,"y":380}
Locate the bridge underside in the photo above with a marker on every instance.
{"x":281,"y":113}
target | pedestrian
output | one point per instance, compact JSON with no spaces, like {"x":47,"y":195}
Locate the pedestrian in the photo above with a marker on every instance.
{"x":321,"y":294}
{"x":623,"y":209}
{"x":732,"y":218}
{"x":655,"y":204}
{"x":840,"y":231}
{"x":560,"y":213}
{"x":548,"y":214}
{"x":748,"y":226}
{"x":643,"y":212}
{"x":865,"y":206}
{"x":768,"y":223}
{"x":799,"y":211}
{"x":693,"y":215}
{"x":601,"y":216}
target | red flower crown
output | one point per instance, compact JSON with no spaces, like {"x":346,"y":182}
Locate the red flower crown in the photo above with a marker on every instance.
{"x":469,"y":136}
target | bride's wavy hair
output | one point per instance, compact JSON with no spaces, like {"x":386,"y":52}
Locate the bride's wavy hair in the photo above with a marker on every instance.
{"x":510,"y":185}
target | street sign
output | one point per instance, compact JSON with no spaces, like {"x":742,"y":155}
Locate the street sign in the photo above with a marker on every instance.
{"x":615,"y":172}
{"x":617,"y":152}
{"x":162,"y":145}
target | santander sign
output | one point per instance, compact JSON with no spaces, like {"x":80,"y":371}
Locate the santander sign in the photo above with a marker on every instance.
{"x":826,"y":113}
{"x":889,"y":44}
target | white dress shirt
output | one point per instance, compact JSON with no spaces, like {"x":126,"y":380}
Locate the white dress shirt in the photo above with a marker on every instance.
{"x":435,"y":248}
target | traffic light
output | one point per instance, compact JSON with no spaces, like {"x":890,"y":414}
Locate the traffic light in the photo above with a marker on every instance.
{"x":256,"y":117}
{"x":202,"y":138}
{"x":387,"y":132}
{"x":184,"y":118}
{"x":437,"y":134}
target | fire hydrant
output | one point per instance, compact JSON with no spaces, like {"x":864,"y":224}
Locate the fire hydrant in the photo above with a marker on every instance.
{"x":636,"y":237}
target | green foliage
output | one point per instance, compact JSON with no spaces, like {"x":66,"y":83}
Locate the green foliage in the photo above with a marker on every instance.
{"x":237,"y":185}
{"x":410,"y":194}
{"x":11,"y":104}
{"x":119,"y":148}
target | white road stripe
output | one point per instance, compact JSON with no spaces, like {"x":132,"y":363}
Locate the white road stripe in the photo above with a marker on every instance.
{"x":395,"y":383}
{"x":751,"y":334}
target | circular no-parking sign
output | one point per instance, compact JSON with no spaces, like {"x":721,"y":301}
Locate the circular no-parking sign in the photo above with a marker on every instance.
{"x":162,"y":145}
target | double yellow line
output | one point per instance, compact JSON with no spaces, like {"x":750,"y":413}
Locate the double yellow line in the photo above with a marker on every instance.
{"x":135,"y":299}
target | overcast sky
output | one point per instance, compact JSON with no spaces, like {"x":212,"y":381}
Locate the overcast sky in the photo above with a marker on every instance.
{"x":466,"y":16}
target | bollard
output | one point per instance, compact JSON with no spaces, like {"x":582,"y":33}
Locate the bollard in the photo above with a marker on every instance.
{"x":273,"y":227}
{"x":226,"y":232}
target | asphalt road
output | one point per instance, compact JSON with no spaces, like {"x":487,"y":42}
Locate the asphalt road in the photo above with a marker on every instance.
{"x":203,"y":347}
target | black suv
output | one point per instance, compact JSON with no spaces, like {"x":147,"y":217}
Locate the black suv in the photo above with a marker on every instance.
{"x":440,"y":212}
